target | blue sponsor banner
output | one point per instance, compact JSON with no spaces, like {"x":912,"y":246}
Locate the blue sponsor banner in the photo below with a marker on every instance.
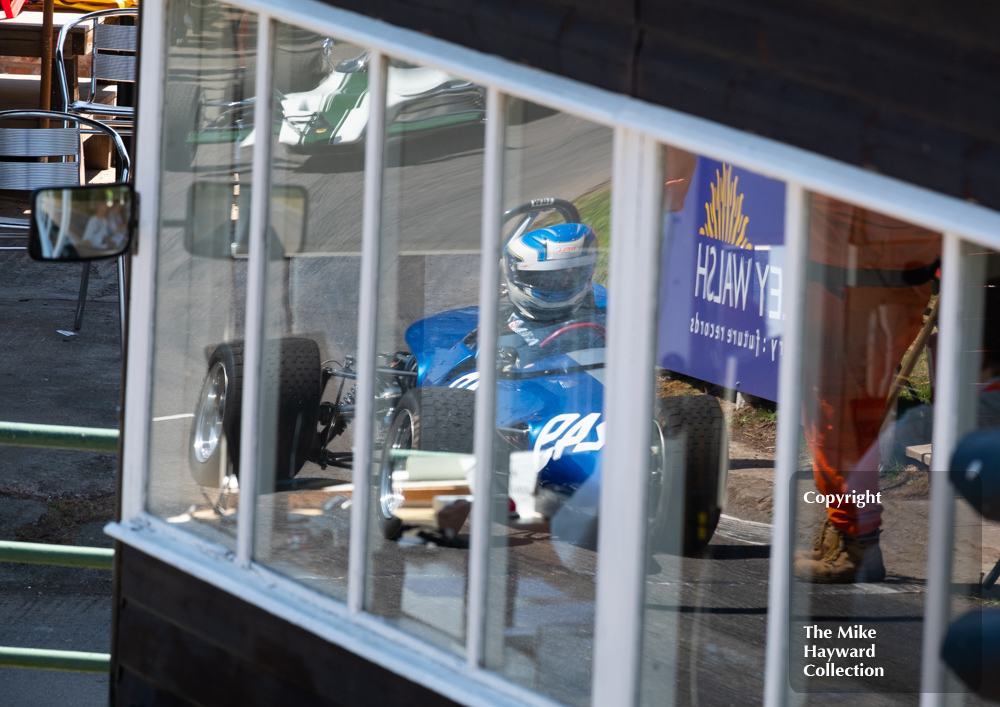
{"x":720,"y":296}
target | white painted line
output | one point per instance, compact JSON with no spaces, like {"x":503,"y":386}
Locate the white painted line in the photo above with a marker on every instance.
{"x":173,"y":417}
{"x":833,"y":589}
{"x":760,"y":534}
{"x":813,"y":589}
{"x":744,"y":530}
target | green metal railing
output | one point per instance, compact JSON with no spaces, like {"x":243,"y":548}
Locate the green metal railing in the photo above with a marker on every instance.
{"x":76,"y":661}
{"x":95,"y":558}
{"x":78,"y":439}
{"x":82,"y":439}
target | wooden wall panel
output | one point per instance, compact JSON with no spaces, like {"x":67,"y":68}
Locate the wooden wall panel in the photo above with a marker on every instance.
{"x":180,"y":640}
{"x":907,"y":88}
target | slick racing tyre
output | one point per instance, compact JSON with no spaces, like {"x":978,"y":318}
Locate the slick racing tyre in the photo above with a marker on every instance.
{"x":183,"y":105}
{"x":295,"y":365}
{"x":428,"y":419}
{"x":291,"y":385}
{"x":214,"y":445}
{"x":689,"y":474}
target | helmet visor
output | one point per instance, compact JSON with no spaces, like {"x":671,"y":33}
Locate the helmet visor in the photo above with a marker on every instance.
{"x":563,"y":280}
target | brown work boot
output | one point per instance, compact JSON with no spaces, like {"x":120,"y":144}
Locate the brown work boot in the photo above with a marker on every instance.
{"x":852,"y":559}
{"x":824,"y":540}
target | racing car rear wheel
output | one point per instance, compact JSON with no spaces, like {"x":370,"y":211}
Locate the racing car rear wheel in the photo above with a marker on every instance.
{"x":295,"y":365}
{"x":214,"y":448}
{"x":427,"y":419}
{"x":691,"y":474}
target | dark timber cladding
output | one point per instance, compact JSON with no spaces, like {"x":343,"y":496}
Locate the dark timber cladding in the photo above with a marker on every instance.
{"x":908,"y":88}
{"x":184,"y":642}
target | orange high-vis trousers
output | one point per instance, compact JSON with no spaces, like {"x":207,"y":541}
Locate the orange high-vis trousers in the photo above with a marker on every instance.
{"x":856,"y":335}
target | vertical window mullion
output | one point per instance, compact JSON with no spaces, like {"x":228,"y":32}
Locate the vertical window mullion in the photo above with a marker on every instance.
{"x":628,"y":406}
{"x":367,"y":311}
{"x":947,"y":394}
{"x":256,"y":267}
{"x":142,"y":288}
{"x":489,"y":286}
{"x":786,"y":458}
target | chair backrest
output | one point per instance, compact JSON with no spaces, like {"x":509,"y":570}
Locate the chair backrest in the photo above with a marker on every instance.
{"x":18,"y":147}
{"x":114,"y":49}
{"x":19,"y":143}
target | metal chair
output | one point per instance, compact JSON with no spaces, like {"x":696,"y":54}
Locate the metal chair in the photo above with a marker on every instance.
{"x":21,"y":169}
{"x":113,"y":59}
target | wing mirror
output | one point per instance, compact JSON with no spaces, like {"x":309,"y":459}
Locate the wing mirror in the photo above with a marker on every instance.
{"x":975,"y":471}
{"x":219,"y":220}
{"x":78,"y":223}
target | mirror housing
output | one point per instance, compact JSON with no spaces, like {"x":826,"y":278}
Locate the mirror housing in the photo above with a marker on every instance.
{"x":87,"y":222}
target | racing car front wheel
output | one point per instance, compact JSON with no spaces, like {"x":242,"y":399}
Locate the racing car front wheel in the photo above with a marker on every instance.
{"x":688,"y":487}
{"x":426,"y":419}
{"x":292,"y":386}
{"x":215,"y":431}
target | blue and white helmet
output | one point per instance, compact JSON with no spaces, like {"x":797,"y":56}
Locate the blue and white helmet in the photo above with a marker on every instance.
{"x":548,"y":272}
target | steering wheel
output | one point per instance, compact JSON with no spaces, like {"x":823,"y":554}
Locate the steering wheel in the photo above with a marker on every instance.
{"x":570,"y":327}
{"x":565,"y":208}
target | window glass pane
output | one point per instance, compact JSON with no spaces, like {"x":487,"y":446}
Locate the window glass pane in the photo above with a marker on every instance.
{"x":861,"y":499}
{"x":550,"y":371}
{"x":979,"y":360}
{"x":974,"y":468}
{"x":311,"y":303}
{"x":200,"y":286}
{"x":709,"y":496}
{"x":428,"y":289}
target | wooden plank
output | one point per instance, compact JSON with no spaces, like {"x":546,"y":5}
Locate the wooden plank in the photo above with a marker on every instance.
{"x":920,"y":452}
{"x":131,"y":690}
{"x":26,"y":40}
{"x":185,"y":664}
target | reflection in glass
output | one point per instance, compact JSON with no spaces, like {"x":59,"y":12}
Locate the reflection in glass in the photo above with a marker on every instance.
{"x":81,"y":223}
{"x":201,"y":289}
{"x":215,"y":234}
{"x":310,"y":318}
{"x":429,"y":264}
{"x":719,"y":328}
{"x":987,"y":386}
{"x":550,"y":369}
{"x":861,"y":501}
{"x":975,"y":557}
{"x":980,"y":347}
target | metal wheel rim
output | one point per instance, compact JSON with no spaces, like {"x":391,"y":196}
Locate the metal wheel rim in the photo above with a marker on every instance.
{"x":400,"y":437}
{"x":657,"y":466}
{"x":211,"y":410}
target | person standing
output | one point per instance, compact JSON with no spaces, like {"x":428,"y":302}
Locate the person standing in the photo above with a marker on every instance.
{"x":869,"y":281}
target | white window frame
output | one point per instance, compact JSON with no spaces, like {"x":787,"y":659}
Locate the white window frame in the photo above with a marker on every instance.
{"x":639,"y":130}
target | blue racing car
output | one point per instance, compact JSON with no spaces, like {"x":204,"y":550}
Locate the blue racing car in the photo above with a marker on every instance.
{"x":548,"y":459}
